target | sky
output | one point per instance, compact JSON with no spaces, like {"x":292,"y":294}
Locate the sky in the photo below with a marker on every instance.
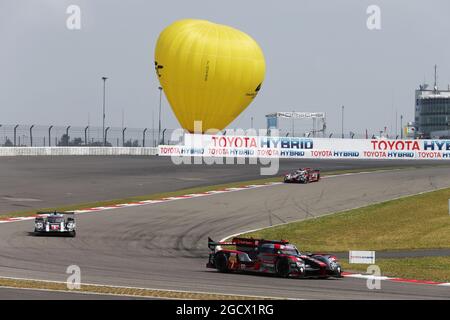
{"x":319,"y":55}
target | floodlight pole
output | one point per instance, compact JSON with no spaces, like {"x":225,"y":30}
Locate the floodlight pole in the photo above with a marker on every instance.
{"x":159,"y":123}
{"x":104,"y":96}
{"x":401,"y":126}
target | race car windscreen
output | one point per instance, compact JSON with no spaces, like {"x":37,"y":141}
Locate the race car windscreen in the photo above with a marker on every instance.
{"x":291,"y":252}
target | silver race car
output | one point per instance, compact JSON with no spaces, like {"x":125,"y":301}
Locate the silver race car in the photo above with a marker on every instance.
{"x":303,"y":175}
{"x":55,"y":223}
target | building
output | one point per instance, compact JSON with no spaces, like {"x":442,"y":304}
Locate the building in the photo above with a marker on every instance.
{"x":409,"y":130}
{"x":432,"y":112}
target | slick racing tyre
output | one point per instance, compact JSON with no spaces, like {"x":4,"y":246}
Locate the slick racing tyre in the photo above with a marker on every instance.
{"x":338,"y":272}
{"x":221,"y":262}
{"x":282,"y":268}
{"x":72,"y":234}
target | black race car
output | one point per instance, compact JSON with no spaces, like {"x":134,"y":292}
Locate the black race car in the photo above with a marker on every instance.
{"x":55,"y":223}
{"x":303,"y":175}
{"x":270,"y":257}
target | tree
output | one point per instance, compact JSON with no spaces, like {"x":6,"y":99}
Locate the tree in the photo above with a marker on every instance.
{"x":129,"y":143}
{"x":76,"y":142}
{"x":64,"y":141}
{"x":8,"y":143}
{"x":99,"y":144}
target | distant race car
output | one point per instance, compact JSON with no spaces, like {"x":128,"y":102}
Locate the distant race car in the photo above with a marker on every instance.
{"x":303,"y":175}
{"x":55,"y":223}
{"x":270,"y":257}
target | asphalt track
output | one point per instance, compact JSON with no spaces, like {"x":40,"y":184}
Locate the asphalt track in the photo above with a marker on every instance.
{"x":28,"y":183}
{"x":164,"y":245}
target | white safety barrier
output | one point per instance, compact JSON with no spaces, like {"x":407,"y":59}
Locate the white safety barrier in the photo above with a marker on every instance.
{"x":77,"y":151}
{"x":307,"y":148}
{"x":361,"y":257}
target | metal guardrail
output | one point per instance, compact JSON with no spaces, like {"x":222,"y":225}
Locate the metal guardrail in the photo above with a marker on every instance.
{"x":77,"y":151}
{"x":24,"y":135}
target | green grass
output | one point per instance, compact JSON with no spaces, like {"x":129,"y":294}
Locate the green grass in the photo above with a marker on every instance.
{"x":424,"y":268}
{"x":415,"y":222}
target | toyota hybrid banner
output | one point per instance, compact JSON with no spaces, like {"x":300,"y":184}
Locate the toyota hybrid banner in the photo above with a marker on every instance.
{"x":308,"y":148}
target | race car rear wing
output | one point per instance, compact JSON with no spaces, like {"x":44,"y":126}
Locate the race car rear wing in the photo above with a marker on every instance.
{"x":52,"y":212}
{"x":256,"y":242}
{"x":243,"y":242}
{"x":44,"y":214}
{"x":213,"y":244}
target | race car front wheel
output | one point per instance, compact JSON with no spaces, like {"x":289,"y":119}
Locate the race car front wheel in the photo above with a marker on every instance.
{"x":282,"y":268}
{"x":221,"y":262}
{"x":338,"y":272}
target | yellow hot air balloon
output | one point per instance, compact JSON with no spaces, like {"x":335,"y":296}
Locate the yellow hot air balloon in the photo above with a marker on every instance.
{"x":209,"y":72}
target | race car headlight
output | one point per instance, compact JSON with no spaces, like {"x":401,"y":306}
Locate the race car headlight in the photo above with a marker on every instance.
{"x":300,"y":264}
